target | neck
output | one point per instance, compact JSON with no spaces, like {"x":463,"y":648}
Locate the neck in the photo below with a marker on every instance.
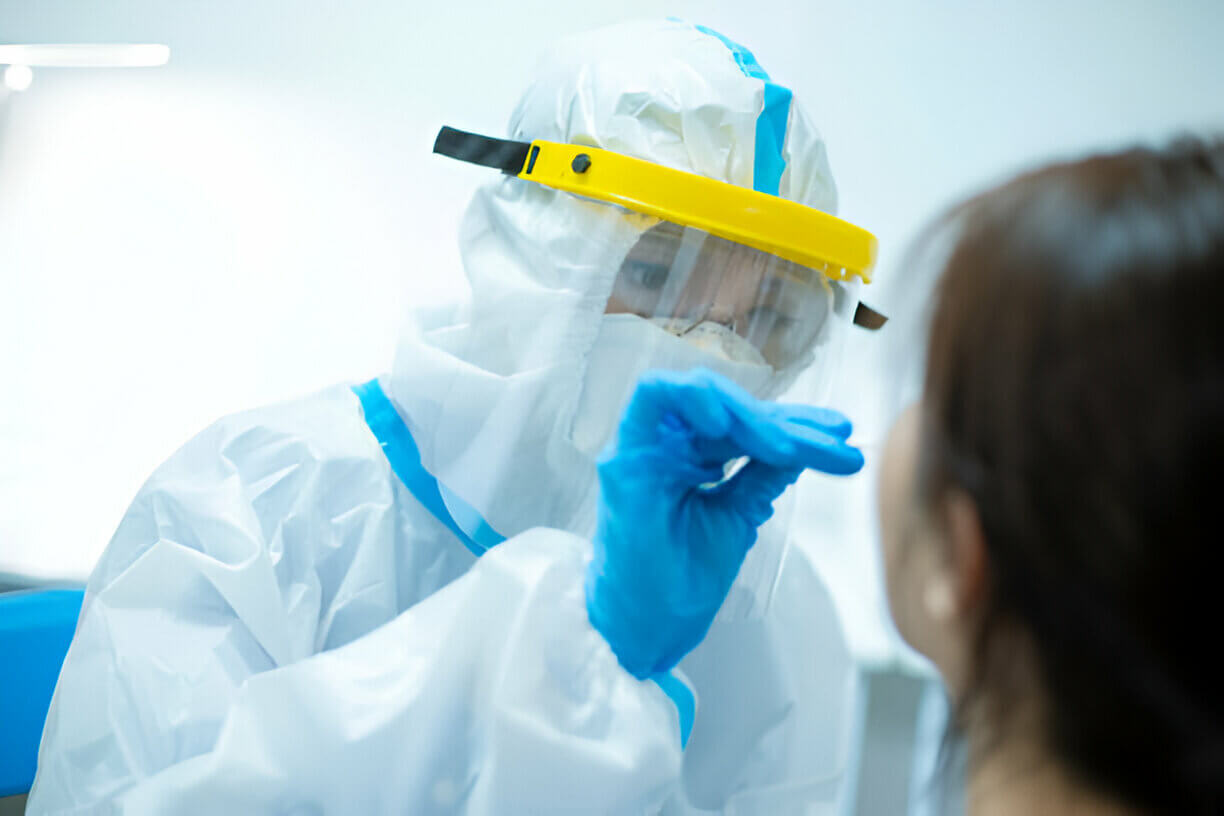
{"x":1020,"y":778}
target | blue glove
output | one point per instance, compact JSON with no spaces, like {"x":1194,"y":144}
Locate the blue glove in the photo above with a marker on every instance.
{"x":667,"y":549}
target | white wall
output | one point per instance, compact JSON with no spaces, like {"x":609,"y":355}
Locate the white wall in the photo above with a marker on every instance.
{"x":235,"y":228}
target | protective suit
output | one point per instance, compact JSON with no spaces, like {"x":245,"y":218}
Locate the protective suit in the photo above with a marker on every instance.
{"x":312,"y":607}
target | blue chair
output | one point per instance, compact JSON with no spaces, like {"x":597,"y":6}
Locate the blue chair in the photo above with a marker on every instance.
{"x":36,"y":627}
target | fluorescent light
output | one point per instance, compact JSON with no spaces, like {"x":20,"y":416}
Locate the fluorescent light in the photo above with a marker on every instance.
{"x":85,"y":55}
{"x":18,"y":77}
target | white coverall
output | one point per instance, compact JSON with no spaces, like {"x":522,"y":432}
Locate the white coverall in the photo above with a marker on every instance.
{"x":281,"y":625}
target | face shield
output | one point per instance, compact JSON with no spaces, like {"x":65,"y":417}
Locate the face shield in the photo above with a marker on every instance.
{"x":665,"y":269}
{"x":744,"y":274}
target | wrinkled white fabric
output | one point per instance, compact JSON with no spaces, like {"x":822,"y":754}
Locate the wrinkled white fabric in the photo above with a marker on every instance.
{"x":278,"y":626}
{"x":408,"y":695}
{"x":267,"y":623}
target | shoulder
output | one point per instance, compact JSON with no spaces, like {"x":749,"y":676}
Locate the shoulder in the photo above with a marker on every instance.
{"x":325,"y":425}
{"x":241,"y":480}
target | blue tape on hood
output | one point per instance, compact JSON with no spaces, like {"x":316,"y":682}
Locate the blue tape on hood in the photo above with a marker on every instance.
{"x":768,"y":163}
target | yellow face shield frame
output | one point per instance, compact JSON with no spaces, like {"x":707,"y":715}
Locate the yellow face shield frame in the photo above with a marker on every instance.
{"x":768,"y":223}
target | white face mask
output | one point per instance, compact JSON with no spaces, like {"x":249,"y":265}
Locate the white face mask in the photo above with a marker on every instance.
{"x":712,"y":338}
{"x":628,"y":346}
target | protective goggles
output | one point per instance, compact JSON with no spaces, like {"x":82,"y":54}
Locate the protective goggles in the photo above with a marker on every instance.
{"x":754,"y":275}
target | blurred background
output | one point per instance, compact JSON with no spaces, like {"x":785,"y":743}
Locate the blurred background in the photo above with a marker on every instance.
{"x":245,"y":224}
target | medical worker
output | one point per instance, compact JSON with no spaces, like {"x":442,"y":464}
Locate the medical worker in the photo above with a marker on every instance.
{"x":304,"y":609}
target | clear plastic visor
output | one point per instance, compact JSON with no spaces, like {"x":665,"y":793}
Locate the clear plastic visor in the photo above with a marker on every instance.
{"x":748,"y":305}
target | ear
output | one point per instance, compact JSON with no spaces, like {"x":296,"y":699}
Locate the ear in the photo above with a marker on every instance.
{"x":967,"y":557}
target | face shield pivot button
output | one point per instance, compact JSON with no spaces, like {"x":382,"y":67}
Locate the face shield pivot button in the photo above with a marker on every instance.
{"x":581,"y":163}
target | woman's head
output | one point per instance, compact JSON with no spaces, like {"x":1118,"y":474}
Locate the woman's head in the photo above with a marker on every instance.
{"x":1049,"y":511}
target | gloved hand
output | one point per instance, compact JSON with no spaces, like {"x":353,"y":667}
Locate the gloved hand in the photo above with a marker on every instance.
{"x":667,"y":549}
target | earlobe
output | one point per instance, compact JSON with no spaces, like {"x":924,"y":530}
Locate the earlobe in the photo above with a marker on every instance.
{"x":939,"y":601}
{"x":967,"y":552}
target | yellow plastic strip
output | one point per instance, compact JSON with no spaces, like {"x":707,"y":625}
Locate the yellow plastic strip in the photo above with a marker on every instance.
{"x":771,"y":224}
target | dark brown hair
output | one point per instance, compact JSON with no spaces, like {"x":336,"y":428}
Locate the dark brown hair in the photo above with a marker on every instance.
{"x":1075,"y":390}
